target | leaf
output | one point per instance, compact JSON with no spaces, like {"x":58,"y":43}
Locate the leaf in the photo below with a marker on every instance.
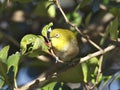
{"x":93,"y":68}
{"x":33,"y":45}
{"x":43,"y":10}
{"x":85,"y":72}
{"x":39,"y":47}
{"x":46,"y":28}
{"x":115,"y":11}
{"x":89,"y":69}
{"x":3,"y":66}
{"x":75,"y":17}
{"x":1,"y":82}
{"x":42,"y":44}
{"x":114,"y":29}
{"x":27,"y":42}
{"x":3,"y":73}
{"x":88,"y":18}
{"x":51,"y":10}
{"x":3,"y":69}
{"x":56,"y":86}
{"x":13,"y":61}
{"x":4,"y":53}
{"x":70,"y":74}
{"x":93,"y":61}
{"x":106,"y":1}
{"x":75,"y":74}
{"x":79,"y":73}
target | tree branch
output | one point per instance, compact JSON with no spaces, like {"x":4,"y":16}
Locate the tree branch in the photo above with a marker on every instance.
{"x":109,"y":48}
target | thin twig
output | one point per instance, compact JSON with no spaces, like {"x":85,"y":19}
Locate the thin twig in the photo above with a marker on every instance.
{"x":15,"y":83}
{"x":52,"y":52}
{"x":109,"y":48}
{"x":99,"y":69}
{"x":28,"y":85}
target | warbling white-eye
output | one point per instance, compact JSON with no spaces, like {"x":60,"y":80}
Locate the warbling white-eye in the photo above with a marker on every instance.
{"x":64,"y":44}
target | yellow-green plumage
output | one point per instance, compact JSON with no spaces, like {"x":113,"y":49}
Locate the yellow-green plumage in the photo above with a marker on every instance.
{"x":64,"y":43}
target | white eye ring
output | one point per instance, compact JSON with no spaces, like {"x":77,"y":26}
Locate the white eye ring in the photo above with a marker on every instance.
{"x":57,"y":35}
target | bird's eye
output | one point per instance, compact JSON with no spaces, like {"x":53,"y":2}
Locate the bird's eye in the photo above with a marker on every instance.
{"x":57,"y":35}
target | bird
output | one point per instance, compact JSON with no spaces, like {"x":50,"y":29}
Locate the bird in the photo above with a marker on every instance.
{"x":64,"y":43}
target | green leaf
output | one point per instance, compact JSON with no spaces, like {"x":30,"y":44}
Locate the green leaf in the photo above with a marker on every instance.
{"x":3,"y":69}
{"x":43,"y":10}
{"x":115,"y":11}
{"x":103,"y":39}
{"x":39,"y":47}
{"x":41,"y":44}
{"x":114,"y":29}
{"x":75,"y":17}
{"x":70,"y":74}
{"x":106,"y":1}
{"x":51,"y":10}
{"x":93,"y":61}
{"x":46,"y":28}
{"x":3,"y":73}
{"x":79,"y":73}
{"x":93,"y":68}
{"x":33,"y":45}
{"x":1,"y":82}
{"x":85,"y":72}
{"x":90,"y":69}
{"x":88,"y":18}
{"x":13,"y":61}
{"x":75,"y":74}
{"x":56,"y":86}
{"x":4,"y":54}
{"x":27,"y":42}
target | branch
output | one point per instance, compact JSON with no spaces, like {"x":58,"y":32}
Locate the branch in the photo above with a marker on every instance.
{"x":33,"y":83}
{"x":109,"y":48}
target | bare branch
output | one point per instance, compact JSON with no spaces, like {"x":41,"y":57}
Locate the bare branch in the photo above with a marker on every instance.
{"x":109,"y":48}
{"x":30,"y":84}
